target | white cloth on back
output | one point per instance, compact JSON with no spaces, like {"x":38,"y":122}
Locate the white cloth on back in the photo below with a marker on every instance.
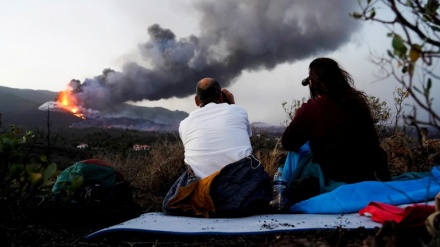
{"x":215,"y":136}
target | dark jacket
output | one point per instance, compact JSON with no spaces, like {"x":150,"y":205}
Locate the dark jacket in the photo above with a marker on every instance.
{"x":239,"y":189}
{"x":345,"y":144}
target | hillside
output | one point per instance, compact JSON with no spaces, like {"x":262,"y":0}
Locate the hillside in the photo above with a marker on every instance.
{"x":20,"y":107}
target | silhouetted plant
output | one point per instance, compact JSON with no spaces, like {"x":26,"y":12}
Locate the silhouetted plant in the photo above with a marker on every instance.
{"x":21,"y":182}
{"x":290,"y":110}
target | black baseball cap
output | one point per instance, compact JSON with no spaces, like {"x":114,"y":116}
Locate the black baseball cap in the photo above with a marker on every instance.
{"x":305,"y":82}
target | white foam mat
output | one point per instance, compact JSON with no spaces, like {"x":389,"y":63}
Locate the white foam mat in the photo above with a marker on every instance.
{"x":258,"y":224}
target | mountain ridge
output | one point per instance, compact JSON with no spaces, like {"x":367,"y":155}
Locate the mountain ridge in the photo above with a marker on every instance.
{"x":19,"y":107}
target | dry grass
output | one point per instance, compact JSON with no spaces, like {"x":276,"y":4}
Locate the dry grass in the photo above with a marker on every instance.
{"x":271,"y":159}
{"x":149,"y":173}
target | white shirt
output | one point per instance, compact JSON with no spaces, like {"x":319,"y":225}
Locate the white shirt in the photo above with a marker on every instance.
{"x":215,"y":136}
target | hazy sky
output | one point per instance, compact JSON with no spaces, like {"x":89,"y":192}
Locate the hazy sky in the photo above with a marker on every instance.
{"x":259,"y":50}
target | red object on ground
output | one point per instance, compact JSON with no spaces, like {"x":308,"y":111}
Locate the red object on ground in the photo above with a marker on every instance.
{"x":414,"y":215}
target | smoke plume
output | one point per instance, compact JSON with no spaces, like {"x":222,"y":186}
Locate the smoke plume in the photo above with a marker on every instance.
{"x":235,"y":36}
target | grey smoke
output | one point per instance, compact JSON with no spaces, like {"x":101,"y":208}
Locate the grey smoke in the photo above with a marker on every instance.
{"x":235,"y":36}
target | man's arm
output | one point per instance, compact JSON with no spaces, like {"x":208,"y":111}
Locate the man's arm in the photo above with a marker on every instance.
{"x":227,"y":96}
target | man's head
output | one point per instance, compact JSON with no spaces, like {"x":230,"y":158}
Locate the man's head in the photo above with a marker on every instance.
{"x":208,"y":90}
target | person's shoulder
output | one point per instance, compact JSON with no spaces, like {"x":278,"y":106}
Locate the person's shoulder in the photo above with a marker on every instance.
{"x":310,"y":106}
{"x":237,"y":108}
{"x":218,"y":107}
{"x":318,"y":101}
{"x":190,"y":116}
{"x":309,"y":103}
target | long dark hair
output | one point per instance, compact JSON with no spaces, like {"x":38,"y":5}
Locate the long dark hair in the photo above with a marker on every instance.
{"x":329,"y":78}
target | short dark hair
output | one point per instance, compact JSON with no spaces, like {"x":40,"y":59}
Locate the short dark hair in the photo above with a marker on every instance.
{"x":209,"y":92}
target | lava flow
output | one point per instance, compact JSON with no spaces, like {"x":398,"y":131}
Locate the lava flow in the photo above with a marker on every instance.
{"x":68,"y":102}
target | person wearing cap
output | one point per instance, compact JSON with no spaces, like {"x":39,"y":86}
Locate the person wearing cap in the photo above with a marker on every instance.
{"x":223,"y":178}
{"x":332,"y":136}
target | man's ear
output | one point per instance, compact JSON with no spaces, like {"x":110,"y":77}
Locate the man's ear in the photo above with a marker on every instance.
{"x":197,"y":100}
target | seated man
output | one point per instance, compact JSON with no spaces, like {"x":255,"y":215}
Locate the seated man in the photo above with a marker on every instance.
{"x":223,"y":178}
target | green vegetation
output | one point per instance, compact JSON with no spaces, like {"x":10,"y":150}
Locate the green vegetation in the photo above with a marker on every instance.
{"x":22,"y":182}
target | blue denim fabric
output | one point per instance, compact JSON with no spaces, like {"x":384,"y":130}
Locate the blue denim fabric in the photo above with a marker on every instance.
{"x":299,"y":165}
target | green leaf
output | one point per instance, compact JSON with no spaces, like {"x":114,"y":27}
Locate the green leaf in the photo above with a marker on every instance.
{"x":390,"y":54}
{"x":6,"y":145}
{"x":49,"y":171}
{"x":417,"y":90}
{"x":15,"y":169}
{"x":22,"y":140}
{"x":35,"y":177}
{"x":356,"y":15}
{"x":426,"y":92}
{"x":397,"y":41}
{"x":429,"y":84}
{"x":43,"y":158}
{"x":372,"y":13}
{"x":399,"y":46}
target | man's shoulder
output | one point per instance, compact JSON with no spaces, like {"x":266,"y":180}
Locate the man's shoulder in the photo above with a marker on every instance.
{"x":237,"y":107}
{"x":216,"y":108}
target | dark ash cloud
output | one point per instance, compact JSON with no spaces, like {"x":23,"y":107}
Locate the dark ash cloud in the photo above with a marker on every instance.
{"x":235,"y":36}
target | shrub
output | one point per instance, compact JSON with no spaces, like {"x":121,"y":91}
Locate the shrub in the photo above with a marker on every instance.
{"x":22,"y":182}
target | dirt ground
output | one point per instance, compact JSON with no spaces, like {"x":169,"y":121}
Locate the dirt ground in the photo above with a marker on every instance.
{"x":54,"y":236}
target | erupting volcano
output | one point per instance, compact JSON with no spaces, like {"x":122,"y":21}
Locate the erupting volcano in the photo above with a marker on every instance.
{"x":262,"y":35}
{"x":65,"y":102}
{"x":123,"y":116}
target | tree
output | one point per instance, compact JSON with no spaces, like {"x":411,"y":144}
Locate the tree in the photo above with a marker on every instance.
{"x":414,"y":29}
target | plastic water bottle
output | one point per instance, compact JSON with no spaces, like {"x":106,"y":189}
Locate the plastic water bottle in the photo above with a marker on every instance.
{"x":279,"y":185}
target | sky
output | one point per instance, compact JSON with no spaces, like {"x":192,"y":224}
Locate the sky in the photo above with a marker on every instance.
{"x":156,"y":51}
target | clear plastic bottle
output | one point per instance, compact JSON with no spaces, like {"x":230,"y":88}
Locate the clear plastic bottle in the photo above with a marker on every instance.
{"x":279,"y":185}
